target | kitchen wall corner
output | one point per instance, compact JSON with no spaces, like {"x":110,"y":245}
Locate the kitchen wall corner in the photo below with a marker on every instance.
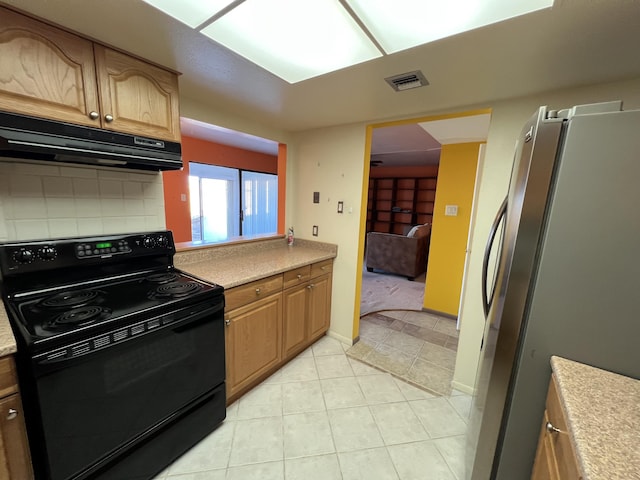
{"x":41,"y":200}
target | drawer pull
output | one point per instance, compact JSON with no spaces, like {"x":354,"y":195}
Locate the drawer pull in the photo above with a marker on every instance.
{"x":551,"y":429}
{"x":13,"y":413}
{"x":257,"y":291}
{"x":324,"y":267}
{"x":299,"y":276}
{"x":311,"y":286}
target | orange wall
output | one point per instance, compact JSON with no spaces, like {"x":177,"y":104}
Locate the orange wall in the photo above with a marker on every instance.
{"x":398,"y":172}
{"x":176,"y":183}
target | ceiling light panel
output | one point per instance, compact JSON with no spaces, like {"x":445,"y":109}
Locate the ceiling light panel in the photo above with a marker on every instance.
{"x":191,"y":12}
{"x":401,"y":24}
{"x":294,"y":39}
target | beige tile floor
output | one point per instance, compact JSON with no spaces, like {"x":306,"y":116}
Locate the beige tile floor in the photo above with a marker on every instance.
{"x":416,"y":346}
{"x":325,"y":416}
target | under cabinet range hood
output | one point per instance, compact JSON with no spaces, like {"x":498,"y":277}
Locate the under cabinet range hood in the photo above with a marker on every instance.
{"x":22,"y":136}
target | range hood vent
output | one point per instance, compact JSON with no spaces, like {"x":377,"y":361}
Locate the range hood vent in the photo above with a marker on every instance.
{"x":26,"y":137}
{"x":407,"y":81}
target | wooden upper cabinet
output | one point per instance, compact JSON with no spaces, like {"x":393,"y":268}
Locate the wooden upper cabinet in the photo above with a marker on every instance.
{"x":50,"y":73}
{"x":137,"y":97}
{"x":46,"y":72}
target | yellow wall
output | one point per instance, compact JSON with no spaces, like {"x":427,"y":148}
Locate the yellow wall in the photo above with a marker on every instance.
{"x":456,"y":180}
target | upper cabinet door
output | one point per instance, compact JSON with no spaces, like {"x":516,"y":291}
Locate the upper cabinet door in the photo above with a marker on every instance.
{"x":46,"y":72}
{"x":136,"y":97}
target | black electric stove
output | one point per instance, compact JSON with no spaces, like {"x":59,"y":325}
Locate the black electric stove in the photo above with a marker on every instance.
{"x":120,"y":354}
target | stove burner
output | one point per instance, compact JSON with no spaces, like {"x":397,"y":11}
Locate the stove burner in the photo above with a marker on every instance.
{"x":76,"y":298}
{"x":162,"y":277}
{"x":175,"y":289}
{"x":78,"y":317}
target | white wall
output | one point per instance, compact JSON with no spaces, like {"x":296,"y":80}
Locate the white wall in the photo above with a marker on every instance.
{"x":52,"y":200}
{"x":507,"y":120}
{"x":331,"y":161}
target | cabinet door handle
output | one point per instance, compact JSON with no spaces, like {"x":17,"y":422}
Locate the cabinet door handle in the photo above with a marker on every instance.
{"x":13,"y":413}
{"x":94,"y":115}
{"x":551,"y":429}
{"x":311,"y":286}
{"x":227,"y":321}
{"x":257,"y":291}
{"x":108,"y":117}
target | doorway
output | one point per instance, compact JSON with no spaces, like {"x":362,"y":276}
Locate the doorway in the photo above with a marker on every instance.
{"x":402,"y":337}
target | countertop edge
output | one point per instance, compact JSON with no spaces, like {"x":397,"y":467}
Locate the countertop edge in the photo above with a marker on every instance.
{"x":602,"y":417}
{"x":7,"y":340}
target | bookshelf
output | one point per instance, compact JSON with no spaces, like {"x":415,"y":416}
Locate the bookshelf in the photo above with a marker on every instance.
{"x":395,"y":204}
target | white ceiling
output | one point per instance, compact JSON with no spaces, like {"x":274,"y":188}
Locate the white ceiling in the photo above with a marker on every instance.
{"x":577,"y":42}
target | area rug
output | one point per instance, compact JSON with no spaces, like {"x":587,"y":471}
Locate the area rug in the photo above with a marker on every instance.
{"x":385,"y":291}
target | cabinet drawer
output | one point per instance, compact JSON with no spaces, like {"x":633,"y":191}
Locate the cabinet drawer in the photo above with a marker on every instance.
{"x":8,"y":378}
{"x":244,"y":294}
{"x":297,"y":276}
{"x":321,"y":268}
{"x":560,"y":441}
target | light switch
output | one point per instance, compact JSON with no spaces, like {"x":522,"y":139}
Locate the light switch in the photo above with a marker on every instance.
{"x":183,"y":197}
{"x":315,"y":231}
{"x":316,"y":197}
{"x":451,"y":210}
{"x":340,"y":207}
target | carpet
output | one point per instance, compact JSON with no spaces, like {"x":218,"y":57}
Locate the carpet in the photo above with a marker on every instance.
{"x":385,"y":291}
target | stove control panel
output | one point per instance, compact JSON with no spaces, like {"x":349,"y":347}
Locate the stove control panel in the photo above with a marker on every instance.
{"x":34,"y":256}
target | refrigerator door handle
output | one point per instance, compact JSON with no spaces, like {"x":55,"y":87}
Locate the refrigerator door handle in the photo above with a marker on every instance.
{"x":487,"y":299}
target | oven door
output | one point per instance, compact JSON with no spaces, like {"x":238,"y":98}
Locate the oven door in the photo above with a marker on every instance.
{"x":111,"y":392}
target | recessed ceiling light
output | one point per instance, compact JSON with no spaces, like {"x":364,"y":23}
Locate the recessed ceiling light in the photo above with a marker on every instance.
{"x":294,"y":39}
{"x":300,"y":39}
{"x":402,"y":24}
{"x":193,"y":13}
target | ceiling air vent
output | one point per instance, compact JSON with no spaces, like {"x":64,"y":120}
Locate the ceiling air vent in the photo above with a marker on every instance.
{"x":407,"y":81}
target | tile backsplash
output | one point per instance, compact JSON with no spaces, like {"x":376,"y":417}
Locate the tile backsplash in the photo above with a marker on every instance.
{"x":43,"y":200}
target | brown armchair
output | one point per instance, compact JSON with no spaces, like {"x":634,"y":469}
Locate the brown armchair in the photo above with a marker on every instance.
{"x":399,"y":254}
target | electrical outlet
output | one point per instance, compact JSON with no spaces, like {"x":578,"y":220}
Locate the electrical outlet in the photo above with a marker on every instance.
{"x":315,"y":231}
{"x":340,"y":207}
{"x":316,"y":197}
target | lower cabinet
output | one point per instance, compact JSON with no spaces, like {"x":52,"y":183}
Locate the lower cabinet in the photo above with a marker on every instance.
{"x":15,"y":460}
{"x":555,"y":457}
{"x":307,"y":310}
{"x":253,"y":342}
{"x":269,"y":321}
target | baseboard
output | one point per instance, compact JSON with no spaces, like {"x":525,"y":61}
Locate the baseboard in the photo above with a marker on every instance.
{"x":440,"y":314}
{"x":342,"y":339}
{"x":463,"y":388}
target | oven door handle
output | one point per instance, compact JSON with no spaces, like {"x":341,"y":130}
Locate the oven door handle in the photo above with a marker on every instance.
{"x":76,"y":352}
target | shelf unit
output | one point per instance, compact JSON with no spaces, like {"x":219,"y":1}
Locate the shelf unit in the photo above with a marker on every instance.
{"x":395,"y":204}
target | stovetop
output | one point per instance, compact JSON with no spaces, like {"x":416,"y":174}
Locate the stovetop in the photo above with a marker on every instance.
{"x":64,"y":290}
{"x":70,"y":308}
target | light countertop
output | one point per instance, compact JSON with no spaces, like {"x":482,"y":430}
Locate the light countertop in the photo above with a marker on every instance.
{"x":603,"y":416}
{"x":236,"y":265}
{"x":7,"y":341}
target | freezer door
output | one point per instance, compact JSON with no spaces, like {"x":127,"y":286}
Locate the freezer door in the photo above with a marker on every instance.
{"x":529,"y":187}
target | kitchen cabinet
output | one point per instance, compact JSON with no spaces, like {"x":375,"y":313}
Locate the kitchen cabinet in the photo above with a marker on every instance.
{"x":307,"y":306}
{"x":253,"y":338}
{"x":15,"y":461}
{"x":271,"y":320}
{"x":54,"y":74}
{"x":555,"y":456}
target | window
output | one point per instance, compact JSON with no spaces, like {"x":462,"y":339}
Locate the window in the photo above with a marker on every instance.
{"x":228,"y":202}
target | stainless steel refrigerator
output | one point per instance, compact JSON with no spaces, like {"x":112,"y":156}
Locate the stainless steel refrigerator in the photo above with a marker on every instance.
{"x":567,"y":278}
